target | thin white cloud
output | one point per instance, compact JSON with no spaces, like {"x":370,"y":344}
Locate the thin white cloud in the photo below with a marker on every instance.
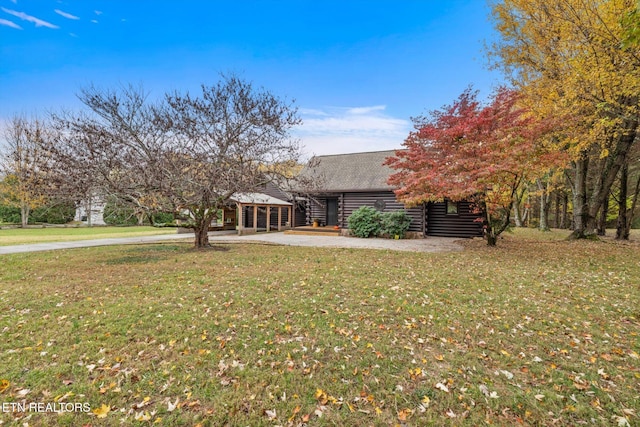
{"x":98,"y":12}
{"x":38,"y":22}
{"x":94,"y":21}
{"x":312,"y":112}
{"x":366,"y":110}
{"x":66,"y":15}
{"x":350,"y":130}
{"x":10,"y":24}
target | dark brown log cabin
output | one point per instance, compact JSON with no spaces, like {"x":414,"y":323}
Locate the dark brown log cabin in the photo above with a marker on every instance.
{"x":345,"y":182}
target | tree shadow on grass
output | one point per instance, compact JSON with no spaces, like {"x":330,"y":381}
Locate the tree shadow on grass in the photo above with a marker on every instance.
{"x":158,"y":252}
{"x":211,"y":248}
{"x":146,"y":254}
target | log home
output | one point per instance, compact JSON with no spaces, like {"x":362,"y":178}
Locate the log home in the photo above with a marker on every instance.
{"x":346,"y":182}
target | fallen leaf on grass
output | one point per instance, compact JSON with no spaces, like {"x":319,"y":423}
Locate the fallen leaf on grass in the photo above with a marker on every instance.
{"x":271,"y":414}
{"x":172,"y":406}
{"x":483,"y":388}
{"x":102,"y":411}
{"x":319,"y":411}
{"x":404,"y":414}
{"x":4,"y":385}
{"x":442,"y":387}
{"x":321,"y":396}
{"x":146,"y":401}
{"x":63,"y":397}
{"x":23,"y":392}
{"x":581,"y":385}
{"x":295,"y":412}
{"x":507,"y":374}
{"x":490,"y":394}
{"x":621,"y":421}
{"x":143,"y":416}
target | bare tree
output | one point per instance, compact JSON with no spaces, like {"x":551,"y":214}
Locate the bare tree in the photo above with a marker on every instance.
{"x":24,"y":165}
{"x":183,"y":152}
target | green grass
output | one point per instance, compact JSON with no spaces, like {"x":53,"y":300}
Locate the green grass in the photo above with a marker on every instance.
{"x":537,"y":331}
{"x":18,"y":236}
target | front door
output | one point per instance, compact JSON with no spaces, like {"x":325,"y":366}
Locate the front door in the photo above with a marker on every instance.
{"x":332,"y":211}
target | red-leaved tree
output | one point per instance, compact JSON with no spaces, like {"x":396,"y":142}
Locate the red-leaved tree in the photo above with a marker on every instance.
{"x":469,"y":151}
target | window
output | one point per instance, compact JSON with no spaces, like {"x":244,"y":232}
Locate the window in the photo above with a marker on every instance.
{"x":452,"y":208}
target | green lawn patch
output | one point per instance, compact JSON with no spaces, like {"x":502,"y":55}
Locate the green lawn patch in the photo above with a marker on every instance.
{"x":536,"y":331}
{"x":18,"y":236}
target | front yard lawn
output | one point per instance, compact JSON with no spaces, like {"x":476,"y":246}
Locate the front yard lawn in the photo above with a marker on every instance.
{"x":537,"y":331}
{"x":19,"y":236}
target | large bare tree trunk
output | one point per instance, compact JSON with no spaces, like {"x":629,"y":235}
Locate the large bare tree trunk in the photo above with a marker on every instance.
{"x":580,"y":206}
{"x":201,"y":232}
{"x":556,"y":215}
{"x":621,"y":223}
{"x":517,"y":215}
{"x":602,"y":219}
{"x":544,"y":205}
{"x":24,"y":214}
{"x":201,"y":228}
{"x":564,"y":220}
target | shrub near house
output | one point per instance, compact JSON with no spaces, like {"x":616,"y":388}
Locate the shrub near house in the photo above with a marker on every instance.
{"x":365,"y":222}
{"x":395,"y":224}
{"x":368,"y":222}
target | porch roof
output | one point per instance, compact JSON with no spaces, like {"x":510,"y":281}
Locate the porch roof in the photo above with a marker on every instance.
{"x":258,"y":199}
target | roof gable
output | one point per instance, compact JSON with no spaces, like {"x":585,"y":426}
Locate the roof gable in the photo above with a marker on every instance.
{"x":350,"y":172}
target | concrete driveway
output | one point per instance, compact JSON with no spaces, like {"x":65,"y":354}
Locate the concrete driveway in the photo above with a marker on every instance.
{"x":431,"y":244}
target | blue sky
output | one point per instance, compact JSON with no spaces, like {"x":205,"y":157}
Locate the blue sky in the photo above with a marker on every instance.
{"x":358,"y":70}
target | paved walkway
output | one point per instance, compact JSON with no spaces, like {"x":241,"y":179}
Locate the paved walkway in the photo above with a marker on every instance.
{"x":431,"y":244}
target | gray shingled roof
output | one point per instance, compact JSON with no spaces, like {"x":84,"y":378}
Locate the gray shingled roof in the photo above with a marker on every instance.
{"x":351,"y":172}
